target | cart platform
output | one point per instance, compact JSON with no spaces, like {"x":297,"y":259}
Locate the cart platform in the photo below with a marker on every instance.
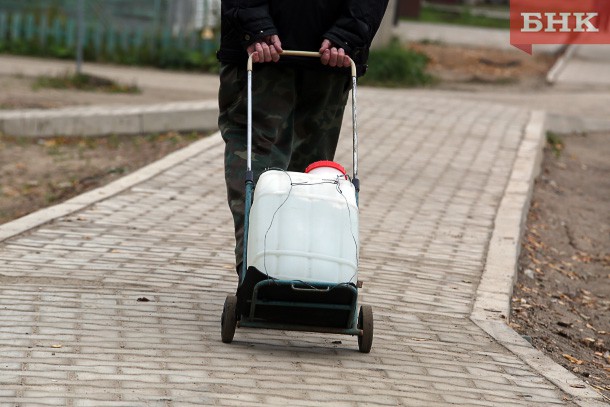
{"x":326,"y":305}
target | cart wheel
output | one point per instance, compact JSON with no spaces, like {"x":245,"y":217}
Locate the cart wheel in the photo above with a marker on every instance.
{"x":365,"y":322}
{"x":228,"y":321}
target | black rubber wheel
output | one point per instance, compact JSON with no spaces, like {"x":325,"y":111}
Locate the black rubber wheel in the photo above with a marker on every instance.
{"x":228,"y":321}
{"x":365,"y":322}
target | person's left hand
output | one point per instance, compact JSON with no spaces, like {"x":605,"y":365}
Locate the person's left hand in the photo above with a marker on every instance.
{"x":333,"y":56}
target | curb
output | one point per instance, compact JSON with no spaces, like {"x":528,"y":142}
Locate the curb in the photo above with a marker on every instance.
{"x":46,"y":215}
{"x":105,"y":120}
{"x":491,"y":310}
{"x":559,"y":65}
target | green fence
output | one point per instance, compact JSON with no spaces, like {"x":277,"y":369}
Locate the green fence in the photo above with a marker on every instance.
{"x":162,"y":33}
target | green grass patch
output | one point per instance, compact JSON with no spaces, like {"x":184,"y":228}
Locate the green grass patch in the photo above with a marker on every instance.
{"x":397,"y":66}
{"x":555,"y":142}
{"x":461,"y":16}
{"x":84,"y":82}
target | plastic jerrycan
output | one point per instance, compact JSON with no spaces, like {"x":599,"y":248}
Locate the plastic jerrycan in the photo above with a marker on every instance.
{"x":304,"y":226}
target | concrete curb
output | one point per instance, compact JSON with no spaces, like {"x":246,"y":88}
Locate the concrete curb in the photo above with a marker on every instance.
{"x":105,"y":120}
{"x":38,"y":218}
{"x":496,"y":286}
{"x":491,"y":309}
{"x":559,"y":65}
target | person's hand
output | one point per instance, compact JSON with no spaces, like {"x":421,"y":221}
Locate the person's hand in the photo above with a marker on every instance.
{"x":267,"y":50}
{"x":333,"y":56}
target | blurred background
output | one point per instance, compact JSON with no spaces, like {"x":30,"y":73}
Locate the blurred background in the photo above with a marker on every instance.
{"x":177,"y":33}
{"x":162,"y":33}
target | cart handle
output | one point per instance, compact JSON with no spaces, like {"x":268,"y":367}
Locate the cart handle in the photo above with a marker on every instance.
{"x":310,"y":54}
{"x":327,"y":289}
{"x":250,"y":176}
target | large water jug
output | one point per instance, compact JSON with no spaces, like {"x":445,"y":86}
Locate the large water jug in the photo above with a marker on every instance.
{"x":304,"y":226}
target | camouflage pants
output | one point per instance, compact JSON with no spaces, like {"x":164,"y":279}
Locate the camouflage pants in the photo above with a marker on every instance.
{"x":297,"y":115}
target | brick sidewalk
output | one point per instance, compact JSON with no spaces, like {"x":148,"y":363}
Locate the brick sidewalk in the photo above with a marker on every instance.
{"x":433,"y":173}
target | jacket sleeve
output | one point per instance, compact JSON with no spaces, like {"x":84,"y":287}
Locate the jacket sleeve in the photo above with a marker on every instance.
{"x":357,"y":25}
{"x":250,"y":18}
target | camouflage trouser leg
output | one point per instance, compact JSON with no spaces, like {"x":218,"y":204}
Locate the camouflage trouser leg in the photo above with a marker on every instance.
{"x":297,"y":118}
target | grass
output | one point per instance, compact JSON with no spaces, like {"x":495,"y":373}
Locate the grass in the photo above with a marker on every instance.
{"x":555,"y":142}
{"x":396,"y":66}
{"x":84,"y":82}
{"x":461,"y":17}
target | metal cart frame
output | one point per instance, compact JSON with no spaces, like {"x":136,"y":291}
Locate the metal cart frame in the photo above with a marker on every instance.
{"x":310,"y":297}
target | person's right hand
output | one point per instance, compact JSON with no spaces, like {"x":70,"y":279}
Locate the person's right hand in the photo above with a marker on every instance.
{"x":267,"y":50}
{"x":333,"y":56}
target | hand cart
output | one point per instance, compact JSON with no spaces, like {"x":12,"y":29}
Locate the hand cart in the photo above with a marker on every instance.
{"x":269,"y":303}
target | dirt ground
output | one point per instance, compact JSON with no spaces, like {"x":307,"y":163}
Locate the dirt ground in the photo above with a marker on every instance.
{"x":465,"y":68}
{"x":562,"y":296}
{"x":35,"y":173}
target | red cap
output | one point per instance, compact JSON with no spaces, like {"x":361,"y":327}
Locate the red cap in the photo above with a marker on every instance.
{"x":329,"y":164}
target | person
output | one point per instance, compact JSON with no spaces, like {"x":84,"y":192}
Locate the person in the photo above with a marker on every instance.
{"x":298,"y":103}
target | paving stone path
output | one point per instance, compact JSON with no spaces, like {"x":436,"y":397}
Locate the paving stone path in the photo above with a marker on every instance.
{"x":433,"y":170}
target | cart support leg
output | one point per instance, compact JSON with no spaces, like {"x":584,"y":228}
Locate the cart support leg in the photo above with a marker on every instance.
{"x":249,"y":191}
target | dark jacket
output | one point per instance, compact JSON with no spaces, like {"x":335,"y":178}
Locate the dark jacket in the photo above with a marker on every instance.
{"x":301,"y":25}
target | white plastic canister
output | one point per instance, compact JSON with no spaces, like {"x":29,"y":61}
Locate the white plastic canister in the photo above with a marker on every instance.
{"x":304,"y":226}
